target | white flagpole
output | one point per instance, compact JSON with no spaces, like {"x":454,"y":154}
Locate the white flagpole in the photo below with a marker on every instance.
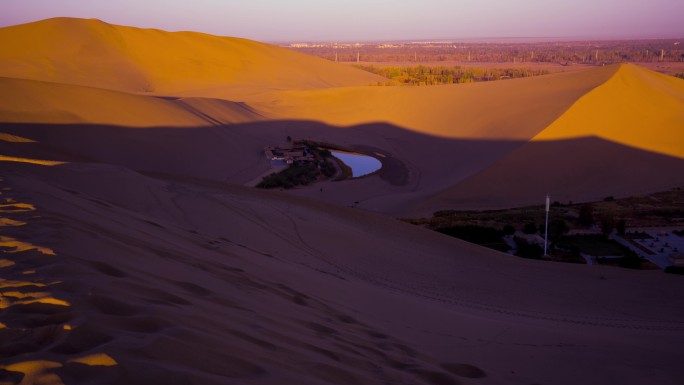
{"x":546,"y":227}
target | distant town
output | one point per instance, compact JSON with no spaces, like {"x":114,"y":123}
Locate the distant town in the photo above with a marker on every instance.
{"x":664,"y":55}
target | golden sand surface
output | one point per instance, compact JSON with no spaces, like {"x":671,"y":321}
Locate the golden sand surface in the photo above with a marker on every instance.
{"x":636,"y":107}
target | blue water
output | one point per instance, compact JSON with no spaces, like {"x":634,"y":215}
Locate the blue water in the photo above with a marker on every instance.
{"x":360,"y":164}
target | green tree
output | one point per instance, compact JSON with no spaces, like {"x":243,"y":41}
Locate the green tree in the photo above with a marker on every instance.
{"x":607,"y":224}
{"x":586,"y":214}
{"x":558,"y":227}
{"x":528,"y":250}
{"x":530,"y":228}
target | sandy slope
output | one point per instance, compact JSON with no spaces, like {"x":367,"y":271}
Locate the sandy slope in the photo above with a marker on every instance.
{"x":511,"y":110}
{"x":182,"y":281}
{"x":94,"y":53}
{"x":624,"y":137}
{"x":636,"y":107}
{"x":446,"y":148}
{"x":29,"y":101}
{"x":581,"y":169}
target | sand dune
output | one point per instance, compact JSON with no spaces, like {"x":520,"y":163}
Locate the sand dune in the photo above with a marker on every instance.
{"x":94,"y":53}
{"x":132,"y":255}
{"x":186,"y":281}
{"x":622,"y":138}
{"x":510,"y":110}
{"x":636,"y":107}
{"x":29,"y":101}
{"x":488,"y":161}
{"x":579,"y":170}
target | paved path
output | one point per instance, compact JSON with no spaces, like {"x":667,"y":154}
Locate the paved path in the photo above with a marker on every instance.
{"x":663,"y":243}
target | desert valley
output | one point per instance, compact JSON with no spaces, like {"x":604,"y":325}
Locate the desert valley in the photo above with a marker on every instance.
{"x":135,"y":248}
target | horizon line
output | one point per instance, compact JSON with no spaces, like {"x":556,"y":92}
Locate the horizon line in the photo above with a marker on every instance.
{"x":522,"y":39}
{"x":370,"y":40}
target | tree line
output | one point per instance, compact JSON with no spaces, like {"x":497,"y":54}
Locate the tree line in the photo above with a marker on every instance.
{"x":559,"y":52}
{"x":437,"y":75}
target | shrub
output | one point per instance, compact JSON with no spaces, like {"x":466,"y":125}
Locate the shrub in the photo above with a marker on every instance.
{"x":528,"y":250}
{"x":327,"y":169}
{"x":630,"y":261}
{"x":675,"y":270}
{"x":295,"y":175}
{"x":530,"y":228}
{"x":558,"y":227}
{"x":586,"y":214}
{"x":607,"y":224}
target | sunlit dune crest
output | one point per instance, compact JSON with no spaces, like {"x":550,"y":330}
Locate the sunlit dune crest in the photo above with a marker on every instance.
{"x":7,"y":222}
{"x":6,"y":263}
{"x":5,"y":302}
{"x":4,"y":283}
{"x":18,"y":246}
{"x":14,"y":138}
{"x":36,"y":372}
{"x":5,"y":158}
{"x":636,"y":107}
{"x":97,"y":359}
{"x":16,"y":207}
{"x":22,"y":295}
{"x":17,"y":293}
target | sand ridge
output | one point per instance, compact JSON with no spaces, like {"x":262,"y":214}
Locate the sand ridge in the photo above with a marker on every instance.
{"x":507,"y":110}
{"x":636,"y":107}
{"x":94,"y":53}
{"x":45,"y":102}
{"x":622,"y":138}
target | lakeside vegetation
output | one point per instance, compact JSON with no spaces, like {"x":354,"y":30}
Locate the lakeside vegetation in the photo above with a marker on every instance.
{"x":324,"y":166}
{"x":592,"y":223}
{"x":660,"y":209}
{"x":292,"y":176}
{"x":438,"y":75}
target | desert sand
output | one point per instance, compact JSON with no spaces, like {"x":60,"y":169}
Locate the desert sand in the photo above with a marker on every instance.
{"x":132,"y":253}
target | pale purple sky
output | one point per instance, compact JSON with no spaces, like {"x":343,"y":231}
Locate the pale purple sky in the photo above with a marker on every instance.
{"x":358,"y":20}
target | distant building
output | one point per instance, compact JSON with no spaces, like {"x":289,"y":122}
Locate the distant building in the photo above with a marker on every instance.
{"x":289,"y":155}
